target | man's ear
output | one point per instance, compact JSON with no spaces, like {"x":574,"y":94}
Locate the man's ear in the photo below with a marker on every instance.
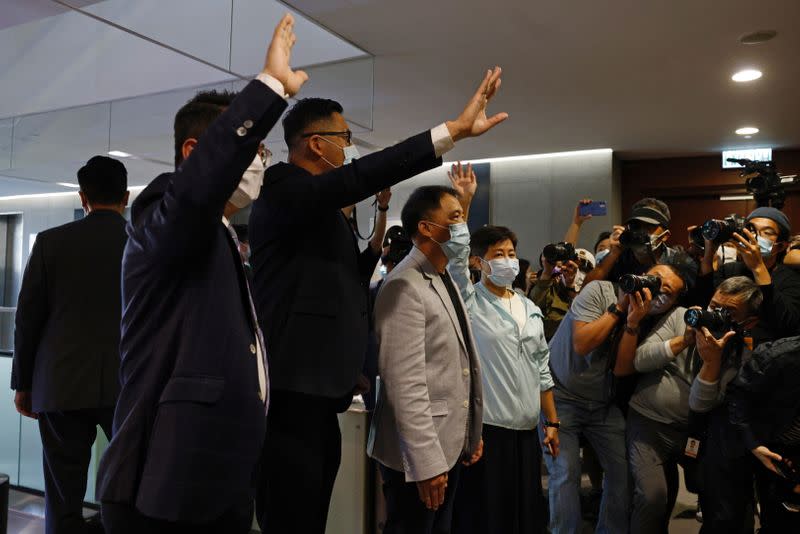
{"x":187,"y":147}
{"x":126,"y":199}
{"x":84,"y":201}
{"x":315,"y":145}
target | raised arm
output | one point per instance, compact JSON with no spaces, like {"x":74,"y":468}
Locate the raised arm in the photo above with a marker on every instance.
{"x":382,"y":198}
{"x":465,"y":183}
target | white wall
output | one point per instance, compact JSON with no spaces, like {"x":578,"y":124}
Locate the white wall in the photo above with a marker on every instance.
{"x":535,"y":196}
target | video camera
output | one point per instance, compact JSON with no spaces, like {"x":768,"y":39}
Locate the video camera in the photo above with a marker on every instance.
{"x":631,"y":283}
{"x":763,"y":182}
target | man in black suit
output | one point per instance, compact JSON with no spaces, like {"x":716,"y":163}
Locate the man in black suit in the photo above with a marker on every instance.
{"x":310,"y":297}
{"x":66,"y":343}
{"x":191,"y":414}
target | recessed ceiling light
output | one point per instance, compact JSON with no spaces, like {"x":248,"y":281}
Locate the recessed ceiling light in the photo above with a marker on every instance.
{"x":747,"y":130}
{"x":119,"y":154}
{"x":758,"y":37}
{"x":68,"y":184}
{"x":747,"y":75}
{"x":748,"y":136}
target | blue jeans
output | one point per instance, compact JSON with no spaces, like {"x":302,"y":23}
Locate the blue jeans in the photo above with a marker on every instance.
{"x":604,"y":427}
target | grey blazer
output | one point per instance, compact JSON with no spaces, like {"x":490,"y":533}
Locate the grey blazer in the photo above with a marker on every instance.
{"x":429,"y":408}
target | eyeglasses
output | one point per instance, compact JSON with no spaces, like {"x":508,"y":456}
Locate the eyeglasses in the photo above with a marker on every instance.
{"x":347,"y":135}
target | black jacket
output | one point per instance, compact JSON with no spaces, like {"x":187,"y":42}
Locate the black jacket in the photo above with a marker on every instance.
{"x":309,"y":292}
{"x":189,"y":423}
{"x":780,"y":312}
{"x":66,"y":341}
{"x":765,"y":396}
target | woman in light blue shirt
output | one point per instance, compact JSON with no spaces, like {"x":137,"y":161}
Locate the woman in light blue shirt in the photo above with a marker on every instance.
{"x":502,"y":492}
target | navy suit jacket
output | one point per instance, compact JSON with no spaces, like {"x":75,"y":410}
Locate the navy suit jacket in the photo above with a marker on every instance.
{"x":189,"y":423}
{"x":310,"y":294}
{"x":66,"y":343}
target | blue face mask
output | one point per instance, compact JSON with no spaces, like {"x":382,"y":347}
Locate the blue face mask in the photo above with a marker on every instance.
{"x":765,"y":245}
{"x":458,"y":244}
{"x":503,"y":271}
{"x":600,"y":255}
{"x":350,"y":153}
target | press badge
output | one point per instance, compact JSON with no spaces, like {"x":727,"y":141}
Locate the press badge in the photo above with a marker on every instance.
{"x":692,"y":447}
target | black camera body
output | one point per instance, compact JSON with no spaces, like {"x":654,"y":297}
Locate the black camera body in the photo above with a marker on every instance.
{"x":762,"y":180}
{"x":562,"y":252}
{"x":631,"y":283}
{"x":721,"y":230}
{"x":634,"y":238}
{"x":717,"y":321}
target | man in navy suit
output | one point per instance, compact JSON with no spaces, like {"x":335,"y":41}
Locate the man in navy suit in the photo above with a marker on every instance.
{"x":66,"y":342}
{"x":311,"y":297}
{"x":191,"y":415}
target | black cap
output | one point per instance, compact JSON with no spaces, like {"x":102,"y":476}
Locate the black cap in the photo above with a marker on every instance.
{"x":649,"y":215}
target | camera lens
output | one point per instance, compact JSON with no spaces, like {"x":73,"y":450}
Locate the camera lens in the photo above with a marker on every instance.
{"x":693,"y":317}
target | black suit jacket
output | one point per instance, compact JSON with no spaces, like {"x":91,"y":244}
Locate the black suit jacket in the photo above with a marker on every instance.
{"x":66,"y":341}
{"x":310,"y":296}
{"x":189,"y":423}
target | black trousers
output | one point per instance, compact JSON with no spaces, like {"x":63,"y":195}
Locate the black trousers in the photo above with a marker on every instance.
{"x":726,"y":490}
{"x":126,"y":519}
{"x":406,"y":513}
{"x":67,"y":439}
{"x":302,"y":452}
{"x":503,"y":491}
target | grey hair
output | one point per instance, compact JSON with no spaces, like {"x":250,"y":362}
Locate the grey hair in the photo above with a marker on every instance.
{"x":745,"y":289}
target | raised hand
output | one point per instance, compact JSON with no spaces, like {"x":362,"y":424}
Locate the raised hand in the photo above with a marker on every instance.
{"x":577,"y":218}
{"x":463,"y":180}
{"x":279,"y":56}
{"x":473,"y":121}
{"x":383,"y":198}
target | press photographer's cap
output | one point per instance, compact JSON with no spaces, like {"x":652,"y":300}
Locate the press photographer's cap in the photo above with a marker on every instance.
{"x":585,"y":255}
{"x":773,"y":214}
{"x":649,"y":215}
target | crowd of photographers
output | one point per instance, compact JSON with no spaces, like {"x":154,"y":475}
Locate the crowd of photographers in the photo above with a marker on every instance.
{"x":658,"y":355}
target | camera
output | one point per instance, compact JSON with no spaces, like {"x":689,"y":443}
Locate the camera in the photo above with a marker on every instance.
{"x":763,"y":182}
{"x":562,"y":252}
{"x":715,"y":320}
{"x":634,"y":237}
{"x":631,"y":283}
{"x":721,"y":230}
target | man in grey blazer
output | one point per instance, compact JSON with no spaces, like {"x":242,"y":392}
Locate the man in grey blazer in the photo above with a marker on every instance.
{"x":427,"y":421}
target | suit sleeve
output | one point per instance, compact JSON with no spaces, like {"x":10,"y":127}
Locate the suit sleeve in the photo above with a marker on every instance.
{"x":30,"y":320}
{"x":201,"y":186}
{"x":349,"y":184}
{"x":400,"y":323}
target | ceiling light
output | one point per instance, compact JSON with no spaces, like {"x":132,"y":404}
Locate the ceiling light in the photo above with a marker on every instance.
{"x":67,"y":184}
{"x":747,"y":75}
{"x":119,"y":154}
{"x":748,"y":136}
{"x":747,"y":130}
{"x":736,"y":197}
{"x":758,"y":37}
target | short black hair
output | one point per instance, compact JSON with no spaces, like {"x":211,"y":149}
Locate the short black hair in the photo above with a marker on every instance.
{"x":521,"y":281}
{"x":196,"y":116}
{"x":306,"y":112}
{"x":103,"y":180}
{"x":602,"y":237}
{"x":421,"y":203}
{"x":486,"y":236}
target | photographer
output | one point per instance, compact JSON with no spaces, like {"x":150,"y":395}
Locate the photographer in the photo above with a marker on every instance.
{"x":792,"y":258}
{"x":726,"y":493}
{"x":579,"y":360}
{"x":762,"y":247}
{"x":563,"y":271}
{"x":765,"y":405}
{"x":640,"y":244}
{"x":657,"y":423}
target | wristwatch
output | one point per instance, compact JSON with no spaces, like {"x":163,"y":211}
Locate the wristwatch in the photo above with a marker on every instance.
{"x":613,"y":309}
{"x":383,"y":209}
{"x":552,"y":424}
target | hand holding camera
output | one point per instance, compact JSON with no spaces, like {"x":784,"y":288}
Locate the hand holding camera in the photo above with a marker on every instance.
{"x":639,"y":306}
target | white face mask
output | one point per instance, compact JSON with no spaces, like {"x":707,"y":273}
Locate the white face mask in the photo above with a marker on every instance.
{"x":250,"y":185}
{"x":579,"y":278}
{"x":350,"y":153}
{"x":502,"y":271}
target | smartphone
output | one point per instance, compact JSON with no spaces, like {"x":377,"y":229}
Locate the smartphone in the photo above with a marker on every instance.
{"x":596,"y":208}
